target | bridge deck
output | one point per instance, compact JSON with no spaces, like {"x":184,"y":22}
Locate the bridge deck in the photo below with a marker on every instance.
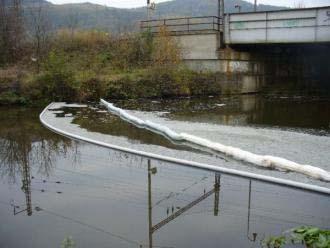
{"x":310,"y":25}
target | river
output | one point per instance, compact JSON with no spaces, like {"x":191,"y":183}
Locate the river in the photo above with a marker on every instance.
{"x":53,"y":187}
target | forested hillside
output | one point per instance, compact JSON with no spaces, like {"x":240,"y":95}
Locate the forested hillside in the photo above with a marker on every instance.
{"x":93,"y":16}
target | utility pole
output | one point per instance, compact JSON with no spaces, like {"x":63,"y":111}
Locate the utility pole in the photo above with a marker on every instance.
{"x":216,"y":193}
{"x":255,"y":5}
{"x":150,"y":7}
{"x":26,"y":182}
{"x":148,"y":14}
{"x":221,"y":8}
{"x":254,"y":235}
{"x":221,"y":11}
{"x":149,"y":203}
{"x":221,"y":16}
{"x":176,"y":214}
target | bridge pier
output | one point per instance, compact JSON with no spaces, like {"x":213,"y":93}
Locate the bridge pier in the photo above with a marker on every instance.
{"x":236,"y":71}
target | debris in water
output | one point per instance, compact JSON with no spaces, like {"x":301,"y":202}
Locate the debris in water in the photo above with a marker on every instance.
{"x":220,"y":104}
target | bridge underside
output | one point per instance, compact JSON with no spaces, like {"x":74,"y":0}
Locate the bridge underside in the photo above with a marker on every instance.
{"x":286,"y":67}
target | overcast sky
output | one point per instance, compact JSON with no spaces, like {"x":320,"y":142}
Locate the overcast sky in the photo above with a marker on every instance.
{"x":138,"y":3}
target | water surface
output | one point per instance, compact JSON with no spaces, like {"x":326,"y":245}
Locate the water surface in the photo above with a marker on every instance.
{"x":214,"y":119}
{"x":53,"y":187}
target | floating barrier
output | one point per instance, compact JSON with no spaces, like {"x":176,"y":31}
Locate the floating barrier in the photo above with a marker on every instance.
{"x":236,"y":153}
{"x":141,"y":123}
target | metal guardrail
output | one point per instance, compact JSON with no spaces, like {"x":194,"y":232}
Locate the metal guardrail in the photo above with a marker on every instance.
{"x":183,"y":24}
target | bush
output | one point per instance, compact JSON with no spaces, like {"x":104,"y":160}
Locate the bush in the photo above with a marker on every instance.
{"x":81,"y":40}
{"x":11,"y":98}
{"x":203,"y":84}
{"x":91,"y":89}
{"x":310,"y":237}
{"x":131,"y":51}
{"x":87,"y":65}
{"x":57,"y":82}
{"x":166,"y":53}
{"x":169,"y":82}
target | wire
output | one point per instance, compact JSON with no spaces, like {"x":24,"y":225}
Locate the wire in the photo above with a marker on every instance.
{"x":172,"y":194}
{"x":91,"y":226}
{"x":98,"y":229}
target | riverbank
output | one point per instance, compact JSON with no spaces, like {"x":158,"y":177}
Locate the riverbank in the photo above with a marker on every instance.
{"x":79,"y":86}
{"x":86,"y":65}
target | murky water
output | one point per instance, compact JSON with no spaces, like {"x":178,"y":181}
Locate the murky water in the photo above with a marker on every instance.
{"x":53,"y":187}
{"x":298,"y":113}
{"x":302,"y":144}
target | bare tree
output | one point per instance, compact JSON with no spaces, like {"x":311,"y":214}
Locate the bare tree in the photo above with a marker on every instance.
{"x":4,"y":32}
{"x":40,"y":30}
{"x":73,"y":21}
{"x":16,"y":28}
{"x":11,"y":29}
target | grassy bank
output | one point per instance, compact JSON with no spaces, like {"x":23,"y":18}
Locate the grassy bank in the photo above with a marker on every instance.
{"x":86,"y":65}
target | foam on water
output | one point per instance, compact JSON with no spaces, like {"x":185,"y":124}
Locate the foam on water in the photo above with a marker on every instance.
{"x":236,"y":153}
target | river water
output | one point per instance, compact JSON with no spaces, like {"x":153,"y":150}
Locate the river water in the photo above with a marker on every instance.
{"x":53,"y":188}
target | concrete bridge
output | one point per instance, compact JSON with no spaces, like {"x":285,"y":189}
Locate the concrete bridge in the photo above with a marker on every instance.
{"x":309,"y":25}
{"x":255,"y":50}
{"x":286,"y":26}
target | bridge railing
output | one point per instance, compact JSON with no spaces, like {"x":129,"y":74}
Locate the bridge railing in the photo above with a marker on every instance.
{"x":183,"y":24}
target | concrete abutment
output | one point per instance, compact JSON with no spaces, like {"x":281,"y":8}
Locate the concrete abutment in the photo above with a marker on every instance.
{"x":275,"y":68}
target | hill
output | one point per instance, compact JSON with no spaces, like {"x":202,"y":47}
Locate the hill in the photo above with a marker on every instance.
{"x":88,"y":15}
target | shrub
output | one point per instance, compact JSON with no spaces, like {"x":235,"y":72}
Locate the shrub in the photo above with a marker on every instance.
{"x":91,"y":89}
{"x":11,"y":98}
{"x":166,"y":52}
{"x":81,"y":40}
{"x":203,"y":84}
{"x":56,"y":82}
{"x":311,"y":237}
{"x":168,"y":82}
{"x":274,"y":242}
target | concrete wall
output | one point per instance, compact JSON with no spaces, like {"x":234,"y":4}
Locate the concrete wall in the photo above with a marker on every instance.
{"x":236,"y":73}
{"x":228,"y":61}
{"x":199,"y":46}
{"x":288,"y":26}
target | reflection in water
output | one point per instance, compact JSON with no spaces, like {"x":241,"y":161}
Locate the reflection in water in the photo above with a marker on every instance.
{"x":113,"y":199}
{"x":106,"y":123}
{"x":25,"y":145}
{"x":287,"y":112}
{"x":175,"y":214}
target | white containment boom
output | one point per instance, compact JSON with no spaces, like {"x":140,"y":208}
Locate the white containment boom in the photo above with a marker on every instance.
{"x":317,"y":173}
{"x":236,"y":153}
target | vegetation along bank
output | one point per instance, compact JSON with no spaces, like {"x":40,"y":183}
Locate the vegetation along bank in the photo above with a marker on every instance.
{"x":84,"y":65}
